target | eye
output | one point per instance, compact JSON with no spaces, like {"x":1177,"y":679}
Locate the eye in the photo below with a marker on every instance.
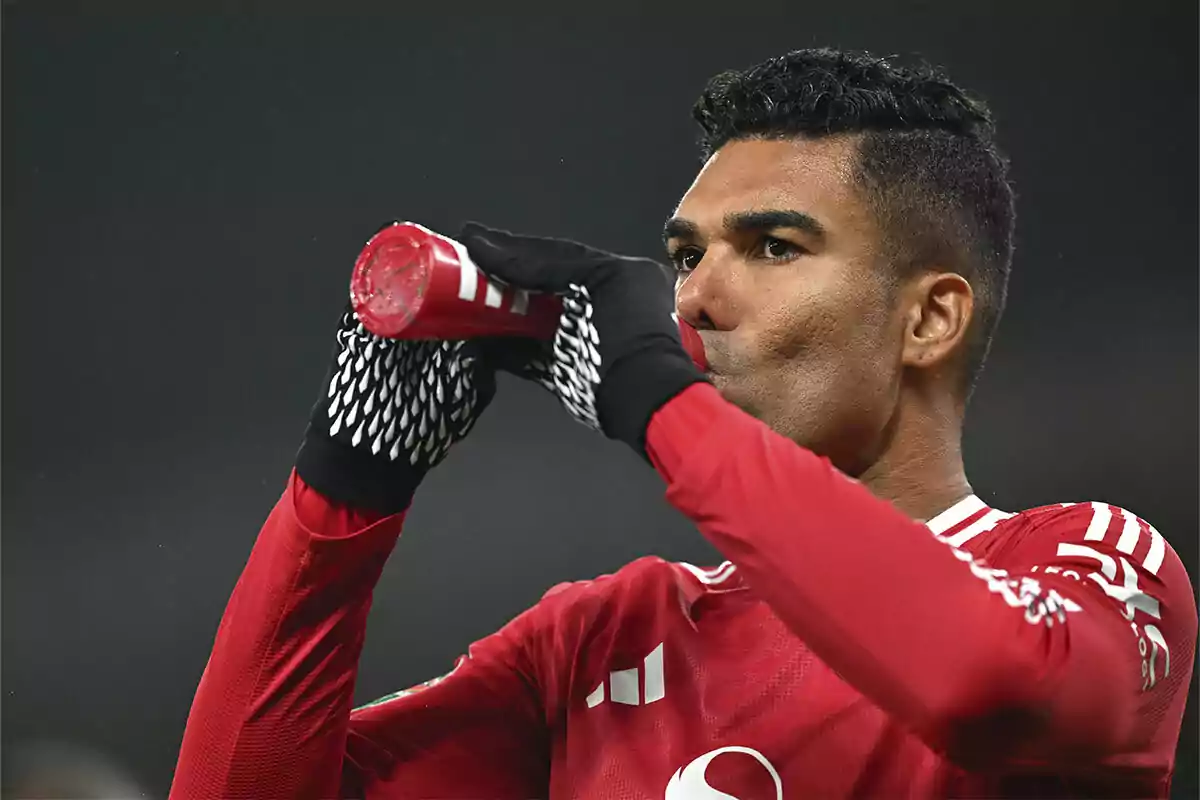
{"x":686,"y":259}
{"x":774,"y":249}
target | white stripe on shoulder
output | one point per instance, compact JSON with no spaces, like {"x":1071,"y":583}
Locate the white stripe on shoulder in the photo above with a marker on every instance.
{"x":955,"y":514}
{"x":1101,"y":516}
{"x":710,"y":576}
{"x":1130,"y":533}
{"x":1158,"y":550}
{"x":985,"y":523}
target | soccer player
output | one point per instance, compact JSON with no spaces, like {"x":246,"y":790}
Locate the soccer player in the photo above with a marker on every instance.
{"x":877,"y":631}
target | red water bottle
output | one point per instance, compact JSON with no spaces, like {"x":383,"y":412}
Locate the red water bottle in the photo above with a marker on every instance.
{"x":412,"y":283}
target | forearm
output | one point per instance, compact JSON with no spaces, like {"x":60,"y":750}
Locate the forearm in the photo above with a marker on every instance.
{"x":271,"y":712}
{"x":878,"y":598}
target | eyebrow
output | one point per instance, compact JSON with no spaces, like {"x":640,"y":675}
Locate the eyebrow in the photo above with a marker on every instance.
{"x":749,"y":222}
{"x":676,"y":228}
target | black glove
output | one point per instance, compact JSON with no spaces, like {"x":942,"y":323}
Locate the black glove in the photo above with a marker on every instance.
{"x":617,"y":356}
{"x":389,"y":411}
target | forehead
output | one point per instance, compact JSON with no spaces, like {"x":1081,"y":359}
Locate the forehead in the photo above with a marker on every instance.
{"x":815,"y":176}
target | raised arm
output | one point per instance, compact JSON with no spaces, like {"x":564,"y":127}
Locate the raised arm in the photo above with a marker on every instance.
{"x":272,"y":715}
{"x":1061,"y":656}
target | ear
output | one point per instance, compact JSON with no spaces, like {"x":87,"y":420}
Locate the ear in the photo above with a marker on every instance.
{"x":938,"y":309}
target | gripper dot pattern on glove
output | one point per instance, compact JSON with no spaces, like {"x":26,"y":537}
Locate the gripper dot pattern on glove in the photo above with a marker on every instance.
{"x":404,"y":399}
{"x":574,"y":373}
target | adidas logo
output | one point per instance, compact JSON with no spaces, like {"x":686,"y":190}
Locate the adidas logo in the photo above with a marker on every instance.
{"x":636,"y":686}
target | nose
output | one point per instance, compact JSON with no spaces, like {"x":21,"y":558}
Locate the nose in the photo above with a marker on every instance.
{"x":704,"y":298}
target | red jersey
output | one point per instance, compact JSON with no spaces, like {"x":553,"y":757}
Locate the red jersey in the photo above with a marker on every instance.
{"x":843,"y":651}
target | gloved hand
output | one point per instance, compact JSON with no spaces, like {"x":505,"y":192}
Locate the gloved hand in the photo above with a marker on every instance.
{"x":617,"y":356}
{"x":388,"y":413}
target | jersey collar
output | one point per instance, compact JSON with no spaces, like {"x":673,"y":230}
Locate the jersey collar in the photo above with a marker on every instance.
{"x":955,"y":514}
{"x":727,"y":577}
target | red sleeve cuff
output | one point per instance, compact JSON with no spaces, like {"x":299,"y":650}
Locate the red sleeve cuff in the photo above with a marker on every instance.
{"x":679,"y":426}
{"x":326,"y":520}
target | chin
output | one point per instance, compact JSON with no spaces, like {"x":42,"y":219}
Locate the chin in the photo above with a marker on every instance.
{"x":737,"y":395}
{"x":722,"y":385}
{"x":764,"y":409}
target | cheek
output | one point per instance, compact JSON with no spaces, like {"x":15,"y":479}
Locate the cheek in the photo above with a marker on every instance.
{"x":818,"y":348}
{"x":814,"y":318}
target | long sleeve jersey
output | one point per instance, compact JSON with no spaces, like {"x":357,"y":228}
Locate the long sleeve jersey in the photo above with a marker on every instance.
{"x":843,"y":650}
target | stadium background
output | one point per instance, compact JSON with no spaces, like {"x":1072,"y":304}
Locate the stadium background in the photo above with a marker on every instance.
{"x":183,"y":195}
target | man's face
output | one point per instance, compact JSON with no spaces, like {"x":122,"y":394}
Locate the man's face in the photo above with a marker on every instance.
{"x":778,"y":259}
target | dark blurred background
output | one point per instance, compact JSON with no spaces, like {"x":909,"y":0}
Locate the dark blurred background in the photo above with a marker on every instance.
{"x":184,"y":192}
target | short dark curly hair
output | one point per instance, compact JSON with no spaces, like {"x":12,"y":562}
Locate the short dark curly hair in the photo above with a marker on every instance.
{"x":927,"y":160}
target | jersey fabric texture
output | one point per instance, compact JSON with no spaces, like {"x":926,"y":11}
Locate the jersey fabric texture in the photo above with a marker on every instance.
{"x":844,"y":650}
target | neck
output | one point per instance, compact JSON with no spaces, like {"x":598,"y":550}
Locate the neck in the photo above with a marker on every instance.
{"x":921,"y":469}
